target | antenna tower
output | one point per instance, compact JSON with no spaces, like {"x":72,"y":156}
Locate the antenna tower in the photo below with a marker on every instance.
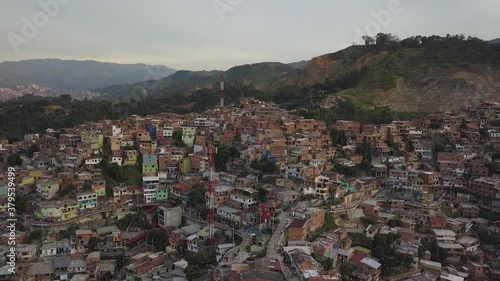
{"x":211,"y":199}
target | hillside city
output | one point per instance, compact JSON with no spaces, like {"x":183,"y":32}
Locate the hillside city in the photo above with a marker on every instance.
{"x":294,"y":198}
{"x":9,"y":93}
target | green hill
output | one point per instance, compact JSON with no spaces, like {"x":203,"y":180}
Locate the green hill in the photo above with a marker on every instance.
{"x":380,"y":82}
{"x":415,"y":74}
{"x":260,"y":75}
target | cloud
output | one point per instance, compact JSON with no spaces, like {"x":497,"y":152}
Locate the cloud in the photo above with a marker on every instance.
{"x":190,"y":35}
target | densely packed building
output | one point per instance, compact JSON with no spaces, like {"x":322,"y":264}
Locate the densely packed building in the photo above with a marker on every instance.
{"x":301,"y":160}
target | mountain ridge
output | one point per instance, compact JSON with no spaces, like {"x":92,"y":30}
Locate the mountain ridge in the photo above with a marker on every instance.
{"x":451,"y":71}
{"x":69,"y":75}
{"x":187,"y":81}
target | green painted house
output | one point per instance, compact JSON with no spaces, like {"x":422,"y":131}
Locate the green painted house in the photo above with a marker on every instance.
{"x":161,"y":194}
{"x":95,"y":140}
{"x":149,"y":163}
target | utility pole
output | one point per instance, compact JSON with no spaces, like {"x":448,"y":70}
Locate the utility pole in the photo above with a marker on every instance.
{"x":211,"y":199}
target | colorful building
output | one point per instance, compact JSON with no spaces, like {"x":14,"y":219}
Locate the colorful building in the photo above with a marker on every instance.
{"x":48,"y":189}
{"x":95,"y":140}
{"x":86,"y":200}
{"x":188,"y":135}
{"x":149,"y":163}
{"x":130,"y":157}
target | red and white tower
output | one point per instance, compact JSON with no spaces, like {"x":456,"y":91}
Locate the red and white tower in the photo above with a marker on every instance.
{"x":211,"y":199}
{"x":221,"y":105}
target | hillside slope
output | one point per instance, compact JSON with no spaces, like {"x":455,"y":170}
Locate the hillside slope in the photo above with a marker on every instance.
{"x":185,"y":81}
{"x":429,"y":74}
{"x":71,"y":75}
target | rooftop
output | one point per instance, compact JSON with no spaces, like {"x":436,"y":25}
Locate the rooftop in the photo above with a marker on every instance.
{"x":449,"y":246}
{"x":361,"y":249}
{"x":298,"y":223}
{"x":80,"y":277}
{"x":443,"y":232}
{"x":107,"y":229}
{"x":227,"y":209}
{"x":40,"y":268}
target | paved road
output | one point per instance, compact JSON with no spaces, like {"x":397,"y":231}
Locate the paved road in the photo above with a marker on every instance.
{"x":90,"y":213}
{"x":276,"y":241}
{"x":352,"y":206}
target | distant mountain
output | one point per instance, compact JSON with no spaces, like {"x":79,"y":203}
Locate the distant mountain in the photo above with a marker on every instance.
{"x":259,"y":75}
{"x":495,"y":41}
{"x":299,"y":64}
{"x":417,"y":74}
{"x":68,"y":75}
{"x":181,"y":81}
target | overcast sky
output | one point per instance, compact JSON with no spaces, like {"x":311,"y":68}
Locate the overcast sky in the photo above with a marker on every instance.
{"x":218,"y":34}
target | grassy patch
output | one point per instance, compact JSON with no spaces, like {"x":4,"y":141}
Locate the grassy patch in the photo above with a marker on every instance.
{"x":361,"y":98}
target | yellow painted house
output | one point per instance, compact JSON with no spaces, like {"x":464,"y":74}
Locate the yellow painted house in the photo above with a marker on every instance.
{"x":188,"y":135}
{"x":115,"y":143}
{"x":3,"y":206}
{"x":37,"y":174}
{"x":69,"y":209}
{"x":217,"y":137}
{"x":130,"y":157}
{"x":27,"y":180}
{"x":57,"y":210}
{"x":99,"y":187}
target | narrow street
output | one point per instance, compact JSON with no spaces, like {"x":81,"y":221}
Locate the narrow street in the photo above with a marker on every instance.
{"x":276,"y":241}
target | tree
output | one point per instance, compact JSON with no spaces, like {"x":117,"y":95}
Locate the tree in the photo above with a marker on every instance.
{"x":87,"y":186}
{"x":197,"y":263}
{"x":197,"y":199}
{"x":237,"y":138}
{"x":338,"y":137}
{"x":367,"y":220}
{"x":262,"y":195}
{"x":177,"y":136}
{"x":366,"y":150}
{"x":346,"y":270}
{"x":92,"y":244}
{"x":120,"y":261}
{"x":21,"y":204}
{"x":159,"y":240}
{"x":409,"y":146}
{"x":32,"y":149}
{"x":192,"y":272}
{"x":368,"y":40}
{"x":222,"y":156}
{"x":327,"y":264}
{"x":34,"y":235}
{"x":14,"y":159}
{"x":69,"y":188}
{"x":263,"y":165}
{"x":386,"y":39}
{"x":234,"y":152}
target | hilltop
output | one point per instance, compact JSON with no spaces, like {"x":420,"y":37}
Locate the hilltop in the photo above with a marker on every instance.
{"x":185,"y":81}
{"x":416,"y":74}
{"x":391,"y":80}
